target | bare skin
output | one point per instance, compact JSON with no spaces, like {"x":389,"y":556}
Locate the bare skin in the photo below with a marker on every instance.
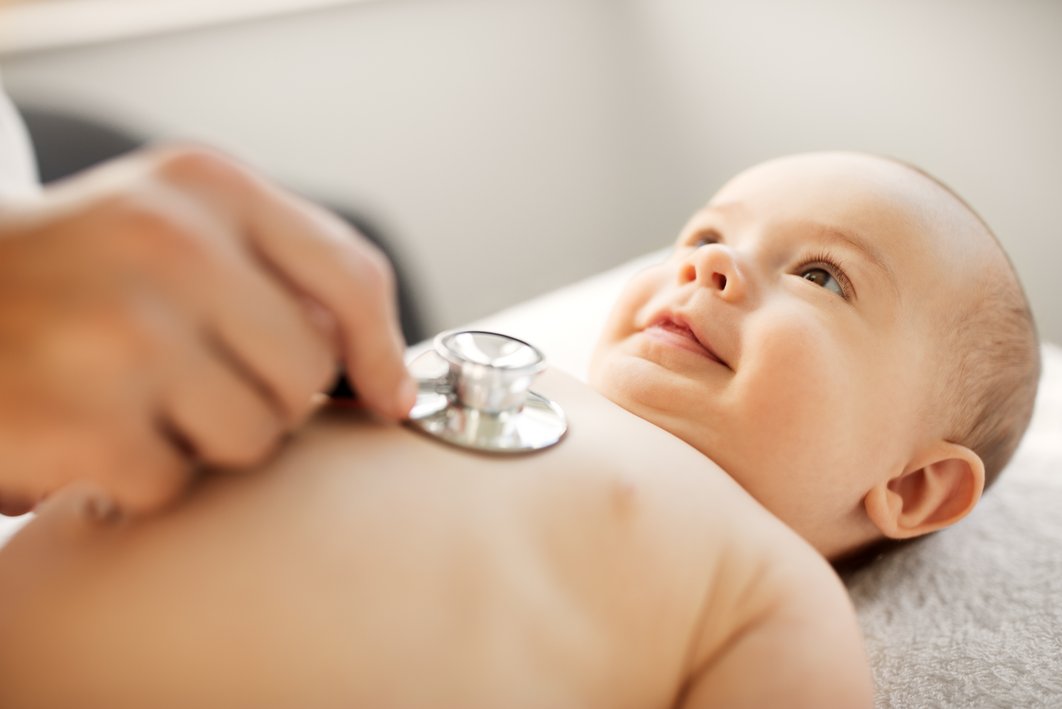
{"x":794,"y":337}
{"x":370,"y":566}
{"x":173,"y":308}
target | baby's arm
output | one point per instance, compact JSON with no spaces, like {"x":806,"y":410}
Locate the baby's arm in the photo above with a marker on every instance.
{"x":803,"y":650}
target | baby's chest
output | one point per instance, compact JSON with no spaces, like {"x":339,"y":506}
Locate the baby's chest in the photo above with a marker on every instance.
{"x":606,"y":587}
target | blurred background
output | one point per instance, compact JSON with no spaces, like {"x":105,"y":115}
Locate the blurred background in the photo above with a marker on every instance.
{"x":502,"y":148}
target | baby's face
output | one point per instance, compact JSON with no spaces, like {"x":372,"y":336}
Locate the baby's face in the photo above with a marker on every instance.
{"x":790,"y":336}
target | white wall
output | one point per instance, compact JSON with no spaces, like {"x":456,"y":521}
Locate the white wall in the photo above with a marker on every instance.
{"x":510,"y":146}
{"x":487,"y":138}
{"x":970,"y":90}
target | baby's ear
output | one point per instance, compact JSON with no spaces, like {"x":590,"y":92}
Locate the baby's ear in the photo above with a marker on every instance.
{"x":937,"y":489}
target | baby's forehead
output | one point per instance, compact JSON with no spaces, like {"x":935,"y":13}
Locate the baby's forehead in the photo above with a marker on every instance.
{"x":935,"y":248}
{"x":891,"y":204}
{"x":831,"y":185}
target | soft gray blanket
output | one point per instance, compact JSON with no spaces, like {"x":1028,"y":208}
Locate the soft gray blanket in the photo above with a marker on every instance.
{"x":972,"y":616}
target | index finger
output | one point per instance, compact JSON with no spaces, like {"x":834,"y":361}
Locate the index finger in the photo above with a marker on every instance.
{"x":320,"y":256}
{"x":351,"y":278}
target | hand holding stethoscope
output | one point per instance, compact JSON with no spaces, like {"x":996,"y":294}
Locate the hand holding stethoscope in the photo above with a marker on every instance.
{"x":172,"y":309}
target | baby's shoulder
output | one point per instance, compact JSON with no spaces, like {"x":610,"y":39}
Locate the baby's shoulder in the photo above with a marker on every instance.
{"x":793,"y":638}
{"x":770,"y":622}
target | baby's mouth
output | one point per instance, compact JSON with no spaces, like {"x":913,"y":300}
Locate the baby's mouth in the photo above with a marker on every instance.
{"x":674,"y":332}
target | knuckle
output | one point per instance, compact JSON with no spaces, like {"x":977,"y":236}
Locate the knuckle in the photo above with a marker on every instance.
{"x":105,"y":341}
{"x":157,"y":235}
{"x":191,"y":163}
{"x":163,"y":484}
{"x":140,"y":481}
{"x":179,"y":251}
{"x":375,"y":273}
{"x":135,"y":211}
{"x":133,"y":468}
{"x":246,"y":448}
{"x":150,"y":490}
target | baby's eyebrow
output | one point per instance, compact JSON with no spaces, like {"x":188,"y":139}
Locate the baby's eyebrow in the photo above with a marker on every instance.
{"x":857,"y":243}
{"x":865,"y":247}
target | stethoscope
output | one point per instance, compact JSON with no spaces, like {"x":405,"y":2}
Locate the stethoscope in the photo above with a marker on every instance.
{"x":474,"y":391}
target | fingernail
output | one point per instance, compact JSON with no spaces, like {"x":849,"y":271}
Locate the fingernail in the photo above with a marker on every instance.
{"x":407,"y":396}
{"x":101,"y":509}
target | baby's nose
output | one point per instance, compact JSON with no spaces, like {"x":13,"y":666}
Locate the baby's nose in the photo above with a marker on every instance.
{"x":715,"y":266}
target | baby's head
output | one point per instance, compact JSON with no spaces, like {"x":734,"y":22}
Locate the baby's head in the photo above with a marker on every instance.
{"x":844,"y":336}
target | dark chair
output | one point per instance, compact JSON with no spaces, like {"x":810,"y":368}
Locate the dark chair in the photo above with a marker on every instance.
{"x":66,"y":142}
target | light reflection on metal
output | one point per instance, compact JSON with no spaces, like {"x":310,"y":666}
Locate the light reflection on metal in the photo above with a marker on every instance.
{"x":475,"y":392}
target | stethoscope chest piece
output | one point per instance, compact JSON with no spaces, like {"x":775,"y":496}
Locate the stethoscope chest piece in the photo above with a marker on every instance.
{"x":475,"y":392}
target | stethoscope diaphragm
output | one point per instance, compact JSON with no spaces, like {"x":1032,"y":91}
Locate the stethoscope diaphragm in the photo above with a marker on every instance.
{"x":475,"y":392}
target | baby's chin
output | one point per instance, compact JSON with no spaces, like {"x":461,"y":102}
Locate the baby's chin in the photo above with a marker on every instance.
{"x":607,"y":378}
{"x":622,"y":381}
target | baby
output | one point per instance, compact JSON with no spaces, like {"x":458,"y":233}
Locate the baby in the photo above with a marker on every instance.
{"x":837,"y":343}
{"x":844,"y":336}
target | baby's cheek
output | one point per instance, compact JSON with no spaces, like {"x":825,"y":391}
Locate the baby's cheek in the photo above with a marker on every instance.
{"x":800,"y":380}
{"x":609,"y":368}
{"x":629,"y":308}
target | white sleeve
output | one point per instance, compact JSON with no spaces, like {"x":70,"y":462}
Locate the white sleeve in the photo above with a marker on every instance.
{"x":18,"y":170}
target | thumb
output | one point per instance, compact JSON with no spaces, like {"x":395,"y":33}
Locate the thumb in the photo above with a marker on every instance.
{"x":78,"y":506}
{"x":60,"y":527}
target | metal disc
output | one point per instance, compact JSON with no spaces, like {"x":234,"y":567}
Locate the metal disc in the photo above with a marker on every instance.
{"x":473,"y":394}
{"x":539,"y":424}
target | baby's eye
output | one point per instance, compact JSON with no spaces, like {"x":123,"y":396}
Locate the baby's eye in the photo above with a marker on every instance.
{"x":822,"y":277}
{"x":703,"y":238}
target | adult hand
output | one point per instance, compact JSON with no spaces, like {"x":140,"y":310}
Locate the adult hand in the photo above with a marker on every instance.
{"x":173,"y":308}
